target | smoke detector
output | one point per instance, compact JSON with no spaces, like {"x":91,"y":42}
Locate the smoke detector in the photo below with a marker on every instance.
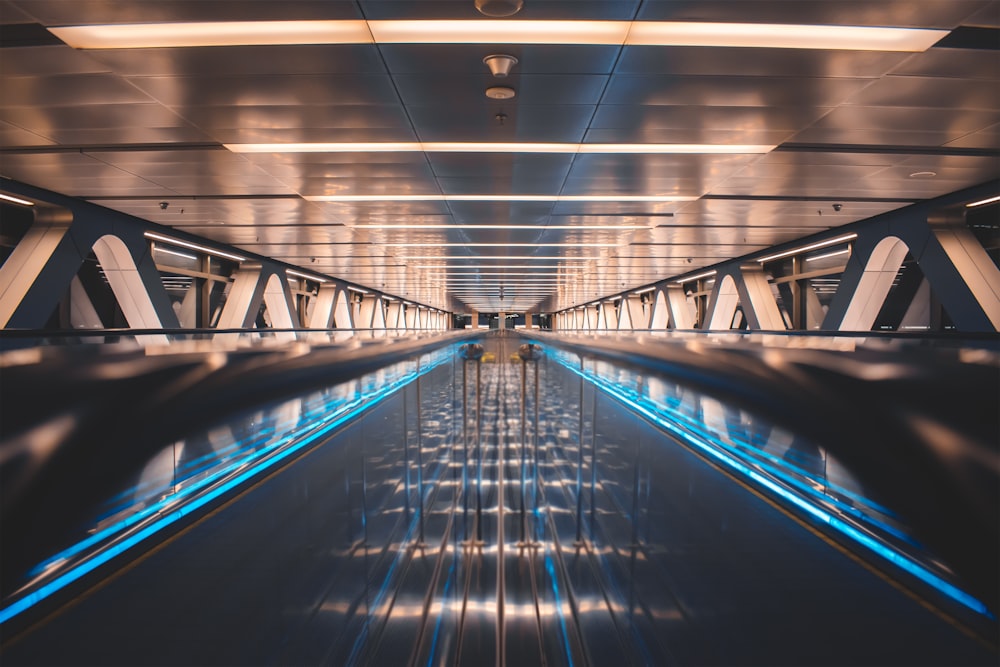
{"x":500,"y":93}
{"x":500,"y":64}
{"x":499,"y":8}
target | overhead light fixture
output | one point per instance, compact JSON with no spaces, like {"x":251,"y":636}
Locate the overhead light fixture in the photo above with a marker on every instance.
{"x":500,"y":198}
{"x":16,"y":200}
{"x":695,"y":277}
{"x":643,"y":291}
{"x":781,"y":36}
{"x":212,"y":33}
{"x":503,"y":257}
{"x":194,"y":246}
{"x":167,"y":251}
{"x":500,"y":245}
{"x":828,"y":254}
{"x":305,"y":275}
{"x":500,"y":93}
{"x":500,"y":64}
{"x":611,"y":33}
{"x":499,"y":7}
{"x":499,"y":147}
{"x":983,"y":202}
{"x":472,"y":228}
{"x":813,"y":246}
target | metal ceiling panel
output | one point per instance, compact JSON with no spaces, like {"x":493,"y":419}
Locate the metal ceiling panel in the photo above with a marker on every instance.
{"x":902,"y":13}
{"x":295,"y":59}
{"x":69,"y":90}
{"x":518,"y":123}
{"x":701,"y":61}
{"x":282,"y":90}
{"x":726,"y":91}
{"x":468,"y":91}
{"x":446,"y":60}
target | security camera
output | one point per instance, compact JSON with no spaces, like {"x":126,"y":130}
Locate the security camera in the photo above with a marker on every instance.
{"x":837,"y":207}
{"x":164,"y":205}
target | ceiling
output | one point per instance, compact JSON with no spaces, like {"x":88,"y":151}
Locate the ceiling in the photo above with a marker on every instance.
{"x":128,"y":128}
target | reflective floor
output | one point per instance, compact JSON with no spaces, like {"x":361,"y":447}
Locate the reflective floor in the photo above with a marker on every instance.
{"x":470,"y":519}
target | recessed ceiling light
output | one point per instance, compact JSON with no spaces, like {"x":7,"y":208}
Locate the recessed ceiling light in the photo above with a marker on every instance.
{"x":500,"y":64}
{"x":500,"y":93}
{"x":923,"y":174}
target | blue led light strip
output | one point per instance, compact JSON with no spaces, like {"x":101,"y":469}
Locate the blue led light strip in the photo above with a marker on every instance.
{"x":264,"y":460}
{"x":716,"y":450}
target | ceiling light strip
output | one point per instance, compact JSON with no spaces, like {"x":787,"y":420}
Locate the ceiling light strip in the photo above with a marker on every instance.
{"x":695,"y":277}
{"x":812,"y":246}
{"x":500,"y":245}
{"x":449,"y":258}
{"x":539,"y":227}
{"x":500,"y":147}
{"x":981,"y":202}
{"x":609,"y":33}
{"x":194,"y":246}
{"x":499,"y":198}
{"x":305,"y":275}
{"x":16,"y":200}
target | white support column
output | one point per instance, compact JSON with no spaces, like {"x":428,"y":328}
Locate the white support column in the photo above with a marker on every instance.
{"x":722,"y":304}
{"x":607,"y":318}
{"x":343,"y":317}
{"x":682,"y":315}
{"x":869,"y":292}
{"x":40,"y":270}
{"x":757,"y":299}
{"x":244,"y":299}
{"x":661,"y":314}
{"x":82,"y":315}
{"x":280,"y":305}
{"x":366,"y":312}
{"x":126,"y":283}
{"x":411,"y":316}
{"x":630,"y":315}
{"x":321,"y":315}
{"x":394,"y":320}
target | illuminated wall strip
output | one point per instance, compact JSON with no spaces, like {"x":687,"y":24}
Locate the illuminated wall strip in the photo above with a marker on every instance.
{"x":812,"y":246}
{"x":479,"y":31}
{"x":306,"y":276}
{"x":698,"y":276}
{"x":16,"y":200}
{"x":194,"y":246}
{"x":983,"y":202}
